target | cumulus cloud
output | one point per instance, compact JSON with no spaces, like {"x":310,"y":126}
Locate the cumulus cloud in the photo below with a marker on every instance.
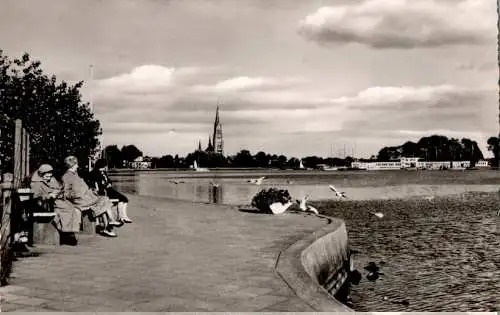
{"x":244,"y":83}
{"x":253,"y":110}
{"x":147,"y":79}
{"x":403,"y":24}
{"x":421,"y":108}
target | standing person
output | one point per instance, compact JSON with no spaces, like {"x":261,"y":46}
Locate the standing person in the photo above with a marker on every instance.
{"x":79,"y":193}
{"x":48,"y":190}
{"x":100,"y":178}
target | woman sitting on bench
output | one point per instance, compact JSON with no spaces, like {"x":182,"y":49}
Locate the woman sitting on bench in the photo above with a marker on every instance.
{"x":77,"y":191}
{"x":49,"y":191}
{"x":103,"y":186}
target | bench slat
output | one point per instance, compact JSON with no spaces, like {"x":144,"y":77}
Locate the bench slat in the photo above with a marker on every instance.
{"x":44,"y":214}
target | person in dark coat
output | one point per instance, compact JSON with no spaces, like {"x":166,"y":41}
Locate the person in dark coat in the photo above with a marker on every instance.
{"x":104,"y":187}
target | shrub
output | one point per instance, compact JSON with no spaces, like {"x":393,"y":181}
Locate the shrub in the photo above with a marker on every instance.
{"x":264,"y":198}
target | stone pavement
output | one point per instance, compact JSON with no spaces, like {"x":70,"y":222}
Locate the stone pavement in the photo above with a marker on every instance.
{"x":176,"y":256}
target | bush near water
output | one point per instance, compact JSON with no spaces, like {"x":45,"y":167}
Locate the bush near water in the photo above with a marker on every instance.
{"x":264,"y":198}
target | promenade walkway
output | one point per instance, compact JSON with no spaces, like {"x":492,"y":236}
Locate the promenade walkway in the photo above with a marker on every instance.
{"x":176,"y":256}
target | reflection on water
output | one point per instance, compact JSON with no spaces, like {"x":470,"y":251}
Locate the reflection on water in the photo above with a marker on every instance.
{"x":234,"y":189}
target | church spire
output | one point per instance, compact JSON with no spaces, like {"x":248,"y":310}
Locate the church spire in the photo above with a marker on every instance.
{"x":199,"y":145}
{"x":210,"y":147}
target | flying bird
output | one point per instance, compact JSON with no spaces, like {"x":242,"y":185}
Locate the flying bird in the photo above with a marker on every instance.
{"x":339,"y":194}
{"x":305,"y":207}
{"x":257,"y":181}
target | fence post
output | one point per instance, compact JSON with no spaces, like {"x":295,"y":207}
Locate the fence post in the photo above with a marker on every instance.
{"x":18,"y":152}
{"x":23,"y":154}
{"x":26,"y":153}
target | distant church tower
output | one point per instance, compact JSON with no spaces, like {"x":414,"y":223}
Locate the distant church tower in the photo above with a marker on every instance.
{"x":217,"y":140}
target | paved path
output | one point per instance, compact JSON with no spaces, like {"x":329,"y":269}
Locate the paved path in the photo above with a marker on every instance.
{"x":176,"y":256}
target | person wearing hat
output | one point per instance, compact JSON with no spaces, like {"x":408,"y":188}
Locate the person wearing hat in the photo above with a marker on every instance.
{"x":104,"y":187}
{"x":79,"y":193}
{"x":48,"y":190}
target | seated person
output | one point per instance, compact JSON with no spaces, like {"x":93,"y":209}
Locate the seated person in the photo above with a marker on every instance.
{"x":49,"y":192}
{"x":102,"y":183}
{"x":77,"y":191}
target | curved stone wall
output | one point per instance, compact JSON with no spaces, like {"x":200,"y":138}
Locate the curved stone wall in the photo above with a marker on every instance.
{"x":317,"y":266}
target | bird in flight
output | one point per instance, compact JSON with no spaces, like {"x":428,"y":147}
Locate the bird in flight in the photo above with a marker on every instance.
{"x":339,"y":194}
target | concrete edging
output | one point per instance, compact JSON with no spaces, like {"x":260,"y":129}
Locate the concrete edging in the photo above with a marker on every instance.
{"x":290,"y":266}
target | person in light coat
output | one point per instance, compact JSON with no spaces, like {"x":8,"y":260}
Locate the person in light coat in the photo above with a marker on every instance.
{"x":79,"y":193}
{"x":47,"y":189}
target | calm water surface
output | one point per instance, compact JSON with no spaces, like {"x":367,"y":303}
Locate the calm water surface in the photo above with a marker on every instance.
{"x":234,"y":188}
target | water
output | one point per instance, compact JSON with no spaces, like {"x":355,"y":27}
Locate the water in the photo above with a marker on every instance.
{"x":235,"y":190}
{"x":439,"y":255}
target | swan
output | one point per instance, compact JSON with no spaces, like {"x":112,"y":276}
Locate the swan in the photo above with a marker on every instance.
{"x":257,"y":181}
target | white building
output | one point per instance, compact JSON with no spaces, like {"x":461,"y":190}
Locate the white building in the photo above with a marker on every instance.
{"x":483,"y":163}
{"x":140,"y":162}
{"x":460,"y":164}
{"x":412,"y":163}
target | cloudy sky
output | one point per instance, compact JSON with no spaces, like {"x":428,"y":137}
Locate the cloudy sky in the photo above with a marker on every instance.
{"x":293,"y":77}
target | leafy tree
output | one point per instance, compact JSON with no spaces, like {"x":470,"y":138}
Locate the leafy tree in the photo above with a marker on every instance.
{"x":262,"y":159}
{"x":130,"y":152}
{"x":435,"y":148}
{"x":293,"y":162}
{"x":113,"y":156}
{"x":494,"y":147}
{"x":243,"y":159}
{"x":58,"y":122}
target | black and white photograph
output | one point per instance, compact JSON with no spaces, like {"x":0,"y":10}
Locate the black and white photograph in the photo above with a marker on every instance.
{"x":250,"y":156}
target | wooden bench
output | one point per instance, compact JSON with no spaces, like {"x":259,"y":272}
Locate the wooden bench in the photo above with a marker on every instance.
{"x":42,"y":230}
{"x":89,"y":224}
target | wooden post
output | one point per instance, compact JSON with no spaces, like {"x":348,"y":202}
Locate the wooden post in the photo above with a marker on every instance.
{"x":18,"y":154}
{"x":23,"y":154}
{"x":27,"y":154}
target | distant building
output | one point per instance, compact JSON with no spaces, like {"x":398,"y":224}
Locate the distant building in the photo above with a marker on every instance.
{"x":141,"y":163}
{"x":413,"y":163}
{"x":483,"y":163}
{"x":216,"y":140}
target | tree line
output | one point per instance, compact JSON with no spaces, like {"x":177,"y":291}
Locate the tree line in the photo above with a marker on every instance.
{"x":432,"y":148}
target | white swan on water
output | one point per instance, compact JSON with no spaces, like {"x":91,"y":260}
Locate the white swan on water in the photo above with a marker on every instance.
{"x":257,"y":181}
{"x":305,"y":207}
{"x":429,"y":198}
{"x":379,"y":215}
